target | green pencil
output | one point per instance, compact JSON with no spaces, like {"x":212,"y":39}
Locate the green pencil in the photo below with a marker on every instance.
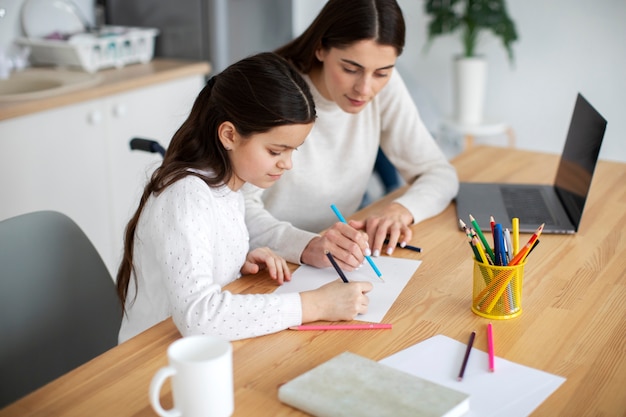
{"x":469,"y":237}
{"x":482,"y":238}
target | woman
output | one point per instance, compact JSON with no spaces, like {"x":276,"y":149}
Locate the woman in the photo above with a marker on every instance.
{"x":347,"y":56}
{"x":188,"y":237}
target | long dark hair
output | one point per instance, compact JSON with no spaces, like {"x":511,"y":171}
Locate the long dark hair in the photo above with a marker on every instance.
{"x":343,"y":22}
{"x":255,"y":94}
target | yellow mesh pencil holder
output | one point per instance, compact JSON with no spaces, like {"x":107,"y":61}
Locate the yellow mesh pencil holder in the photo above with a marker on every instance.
{"x":497,"y":290}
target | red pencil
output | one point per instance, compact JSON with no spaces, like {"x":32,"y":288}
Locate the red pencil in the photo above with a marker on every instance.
{"x":523,"y":252}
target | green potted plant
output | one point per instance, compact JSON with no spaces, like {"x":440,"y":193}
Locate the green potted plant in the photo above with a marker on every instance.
{"x":471,"y":18}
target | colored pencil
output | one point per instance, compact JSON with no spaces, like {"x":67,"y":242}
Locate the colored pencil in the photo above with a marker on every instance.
{"x":468,"y":232}
{"x":334,"y":263}
{"x":523,"y":252}
{"x":502,"y":260}
{"x":409,"y":247}
{"x":482,"y":238}
{"x":482,"y":256}
{"x":498,"y":247}
{"x":371,"y":326}
{"x":509,"y":244}
{"x":515,"y":227}
{"x":470,"y":343}
{"x":491,"y":348}
{"x":367,"y":258}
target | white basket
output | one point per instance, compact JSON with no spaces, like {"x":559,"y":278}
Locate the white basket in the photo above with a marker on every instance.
{"x":115,"y":46}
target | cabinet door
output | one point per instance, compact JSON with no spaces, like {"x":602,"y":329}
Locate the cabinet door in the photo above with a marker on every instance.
{"x":154,"y":112}
{"x":55,"y":160}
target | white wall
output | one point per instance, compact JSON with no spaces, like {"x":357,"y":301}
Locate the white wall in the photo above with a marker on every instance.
{"x":304,"y":11}
{"x":565,"y":46}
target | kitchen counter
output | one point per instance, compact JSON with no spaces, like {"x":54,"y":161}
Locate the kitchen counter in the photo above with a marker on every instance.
{"x":113,"y":81}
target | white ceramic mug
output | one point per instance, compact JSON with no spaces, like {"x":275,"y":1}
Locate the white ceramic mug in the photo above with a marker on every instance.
{"x":201,"y":368}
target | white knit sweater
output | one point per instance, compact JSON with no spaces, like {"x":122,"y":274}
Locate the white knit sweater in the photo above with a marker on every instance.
{"x":334,"y":166}
{"x":191,"y":240}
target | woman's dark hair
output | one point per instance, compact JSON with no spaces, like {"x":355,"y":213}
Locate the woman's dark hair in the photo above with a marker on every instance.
{"x":256,"y":94}
{"x":343,"y":22}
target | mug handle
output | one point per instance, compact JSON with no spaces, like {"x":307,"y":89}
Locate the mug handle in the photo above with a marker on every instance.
{"x":155,"y":390}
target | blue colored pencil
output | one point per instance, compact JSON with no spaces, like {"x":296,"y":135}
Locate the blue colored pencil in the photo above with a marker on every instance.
{"x":368,"y":258}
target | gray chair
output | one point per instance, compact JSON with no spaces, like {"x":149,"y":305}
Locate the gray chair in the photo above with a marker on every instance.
{"x":58,"y":305}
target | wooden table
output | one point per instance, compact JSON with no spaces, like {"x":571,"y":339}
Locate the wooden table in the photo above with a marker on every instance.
{"x":573,"y":322}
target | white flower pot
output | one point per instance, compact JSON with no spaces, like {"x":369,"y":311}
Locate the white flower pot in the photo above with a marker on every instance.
{"x":470,"y":81}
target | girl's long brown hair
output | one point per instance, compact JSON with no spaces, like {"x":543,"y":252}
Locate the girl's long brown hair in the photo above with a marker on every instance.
{"x":256,"y":94}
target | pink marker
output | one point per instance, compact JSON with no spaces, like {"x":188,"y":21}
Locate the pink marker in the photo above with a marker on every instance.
{"x":370,"y":326}
{"x":492,"y":358}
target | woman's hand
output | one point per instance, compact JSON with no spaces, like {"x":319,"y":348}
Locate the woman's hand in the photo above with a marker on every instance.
{"x":347,"y":245}
{"x":335,"y":301}
{"x":391,"y":223}
{"x":262,"y":258}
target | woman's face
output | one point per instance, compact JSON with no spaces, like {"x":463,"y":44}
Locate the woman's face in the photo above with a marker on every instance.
{"x":352,"y":76}
{"x":262,"y":158}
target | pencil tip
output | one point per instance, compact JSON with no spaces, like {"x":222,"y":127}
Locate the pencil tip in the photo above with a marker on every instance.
{"x":459,"y":379}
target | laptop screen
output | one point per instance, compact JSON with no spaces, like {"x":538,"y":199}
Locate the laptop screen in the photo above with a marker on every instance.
{"x":579,"y":158}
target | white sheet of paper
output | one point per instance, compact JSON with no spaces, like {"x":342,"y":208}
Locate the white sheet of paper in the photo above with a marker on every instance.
{"x":396,"y":273}
{"x":513,"y":390}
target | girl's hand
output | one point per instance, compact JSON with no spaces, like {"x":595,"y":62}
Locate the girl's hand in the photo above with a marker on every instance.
{"x":335,"y":301}
{"x":262,"y":258}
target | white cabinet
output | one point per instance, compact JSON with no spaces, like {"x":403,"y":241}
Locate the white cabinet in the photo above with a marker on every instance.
{"x":76,"y":159}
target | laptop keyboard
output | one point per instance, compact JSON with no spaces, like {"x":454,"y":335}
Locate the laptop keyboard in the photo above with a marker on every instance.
{"x":527,"y":204}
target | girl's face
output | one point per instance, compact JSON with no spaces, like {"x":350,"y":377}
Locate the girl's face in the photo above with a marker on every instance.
{"x":352,"y":76}
{"x":262,"y":158}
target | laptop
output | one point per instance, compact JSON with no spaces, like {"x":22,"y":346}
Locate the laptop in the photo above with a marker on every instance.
{"x":560,"y":205}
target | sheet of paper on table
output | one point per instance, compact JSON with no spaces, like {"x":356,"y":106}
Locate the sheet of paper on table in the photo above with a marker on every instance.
{"x":513,"y":390}
{"x":396,"y":273}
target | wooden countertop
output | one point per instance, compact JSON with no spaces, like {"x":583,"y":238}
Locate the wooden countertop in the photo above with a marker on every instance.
{"x":115,"y":80}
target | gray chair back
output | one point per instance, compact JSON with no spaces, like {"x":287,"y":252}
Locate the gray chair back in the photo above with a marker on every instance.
{"x":58,"y":305}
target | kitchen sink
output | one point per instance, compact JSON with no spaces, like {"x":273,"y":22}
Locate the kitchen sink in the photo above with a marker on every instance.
{"x":35,"y":83}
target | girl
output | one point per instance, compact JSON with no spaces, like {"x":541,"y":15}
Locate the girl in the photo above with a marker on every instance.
{"x":347,"y":56}
{"x":188,"y":237}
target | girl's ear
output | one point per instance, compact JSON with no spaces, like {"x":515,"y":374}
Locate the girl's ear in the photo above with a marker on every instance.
{"x":228,"y":135}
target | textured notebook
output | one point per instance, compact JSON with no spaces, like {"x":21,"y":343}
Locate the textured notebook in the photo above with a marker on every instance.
{"x":351,"y":385}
